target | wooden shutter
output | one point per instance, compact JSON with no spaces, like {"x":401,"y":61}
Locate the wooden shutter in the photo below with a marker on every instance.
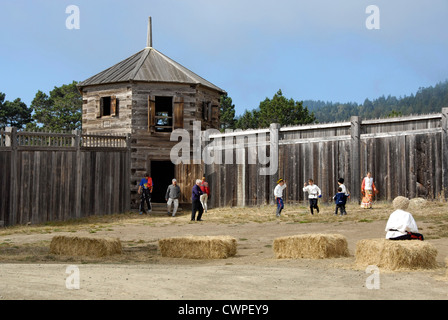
{"x":99,"y":111}
{"x":178,"y":113}
{"x":205,"y":111}
{"x":113,"y":106}
{"x":151,"y":114}
{"x":209,"y":110}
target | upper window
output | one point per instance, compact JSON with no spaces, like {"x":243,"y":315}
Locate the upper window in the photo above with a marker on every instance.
{"x":165,"y":113}
{"x":108,"y":107}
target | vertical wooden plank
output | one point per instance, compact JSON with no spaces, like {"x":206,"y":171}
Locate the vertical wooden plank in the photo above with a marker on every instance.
{"x":62,"y":186}
{"x":109,"y":175}
{"x":36,"y":191}
{"x":14,"y":178}
{"x":389,"y":168}
{"x":403,"y":168}
{"x":78,"y":175}
{"x":444,"y":153}
{"x":438,"y":154}
{"x":306,"y":155}
{"x":27,"y":180}
{"x":117,"y":182}
{"x":355,"y":137}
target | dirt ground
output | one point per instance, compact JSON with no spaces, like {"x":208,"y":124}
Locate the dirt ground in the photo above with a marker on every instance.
{"x":253,"y":273}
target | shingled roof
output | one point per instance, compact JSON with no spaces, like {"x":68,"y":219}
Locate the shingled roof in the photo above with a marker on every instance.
{"x":148,"y":65}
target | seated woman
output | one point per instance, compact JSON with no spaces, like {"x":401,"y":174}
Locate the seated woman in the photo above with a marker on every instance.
{"x":401,"y":225}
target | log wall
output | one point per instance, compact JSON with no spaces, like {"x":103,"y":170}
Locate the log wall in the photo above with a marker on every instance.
{"x":132,"y":117}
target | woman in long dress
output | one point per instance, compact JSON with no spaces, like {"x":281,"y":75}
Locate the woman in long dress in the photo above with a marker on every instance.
{"x":368,"y":190}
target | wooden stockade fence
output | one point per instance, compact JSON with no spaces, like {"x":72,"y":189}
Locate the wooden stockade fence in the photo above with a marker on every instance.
{"x":53,"y":176}
{"x":407,"y":156}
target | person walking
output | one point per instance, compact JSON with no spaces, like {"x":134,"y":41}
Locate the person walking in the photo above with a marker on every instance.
{"x":340,"y":199}
{"x":172,"y":197}
{"x":343,"y":187}
{"x":278,"y":194}
{"x":205,"y":194}
{"x":145,"y":189}
{"x":196,"y":205}
{"x":368,"y":190}
{"x":314,"y":193}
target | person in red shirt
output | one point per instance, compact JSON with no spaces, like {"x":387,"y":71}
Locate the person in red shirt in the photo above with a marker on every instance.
{"x":205,"y":193}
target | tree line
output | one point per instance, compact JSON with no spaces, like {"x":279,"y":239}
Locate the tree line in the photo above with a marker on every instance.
{"x":61,"y":109}
{"x":288,"y":112}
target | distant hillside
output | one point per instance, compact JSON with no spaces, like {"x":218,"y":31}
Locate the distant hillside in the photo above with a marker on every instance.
{"x":426,"y":100}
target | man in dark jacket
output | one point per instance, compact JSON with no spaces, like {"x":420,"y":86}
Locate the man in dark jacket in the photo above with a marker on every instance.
{"x":196,"y":202}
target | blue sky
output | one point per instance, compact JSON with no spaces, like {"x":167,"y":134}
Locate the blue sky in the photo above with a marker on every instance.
{"x":318,"y":50}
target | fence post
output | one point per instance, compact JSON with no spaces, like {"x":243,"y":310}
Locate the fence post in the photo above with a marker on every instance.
{"x":355,"y":160}
{"x":274,"y":165}
{"x":76,"y":142}
{"x":128,"y":173}
{"x":11,"y":141}
{"x":444,"y":126}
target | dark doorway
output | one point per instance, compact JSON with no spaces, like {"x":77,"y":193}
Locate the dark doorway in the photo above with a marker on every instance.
{"x":162,"y":174}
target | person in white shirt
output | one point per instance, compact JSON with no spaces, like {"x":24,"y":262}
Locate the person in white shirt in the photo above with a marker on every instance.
{"x":401,"y":224}
{"x":278,"y":194}
{"x":313,"y":194}
{"x":343,"y":187}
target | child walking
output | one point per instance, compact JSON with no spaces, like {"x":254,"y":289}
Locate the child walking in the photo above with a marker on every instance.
{"x":313,"y":194}
{"x":340,"y":199}
{"x":278,"y":194}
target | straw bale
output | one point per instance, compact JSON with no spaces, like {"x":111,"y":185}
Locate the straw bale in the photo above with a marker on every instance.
{"x":396,"y":254}
{"x":311,"y":246}
{"x":85,"y":246}
{"x":198,"y":247}
{"x":446,"y":265}
{"x":417,"y":203}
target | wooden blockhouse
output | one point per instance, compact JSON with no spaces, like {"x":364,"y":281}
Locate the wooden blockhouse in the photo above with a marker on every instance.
{"x":147,"y":96}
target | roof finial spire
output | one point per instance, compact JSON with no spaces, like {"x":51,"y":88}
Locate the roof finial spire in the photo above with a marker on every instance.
{"x":149,"y":37}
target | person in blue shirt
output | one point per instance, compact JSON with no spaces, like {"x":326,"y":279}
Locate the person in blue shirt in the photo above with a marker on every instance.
{"x":145,"y":190}
{"x":340,"y":199}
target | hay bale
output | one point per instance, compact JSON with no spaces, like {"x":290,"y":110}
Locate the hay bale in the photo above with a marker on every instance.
{"x":84,"y":246}
{"x":198,"y":247}
{"x":417,"y":203}
{"x":446,"y":265}
{"x":396,"y":254}
{"x":311,"y":246}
